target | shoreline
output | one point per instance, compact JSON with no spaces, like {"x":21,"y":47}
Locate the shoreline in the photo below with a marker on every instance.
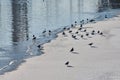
{"x":53,"y":43}
{"x":54,"y":35}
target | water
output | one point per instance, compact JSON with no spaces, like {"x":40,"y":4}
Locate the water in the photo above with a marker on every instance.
{"x":20,"y":19}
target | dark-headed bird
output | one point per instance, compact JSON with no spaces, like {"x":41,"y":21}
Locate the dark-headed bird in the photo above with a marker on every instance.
{"x":98,"y":31}
{"x":73,"y":36}
{"x":87,"y":34}
{"x":93,"y":31}
{"x":72,"y":25}
{"x":39,"y":46}
{"x":67,"y":63}
{"x":90,"y":44}
{"x":72,"y":50}
{"x":81,"y":36}
{"x":63,"y":33}
{"x":85,"y":30}
{"x":76,"y":32}
{"x":70,"y":31}
{"x":34,"y":38}
{"x":81,"y":25}
{"x":64,"y":28}
{"x":80,"y":29}
{"x":101,"y":33}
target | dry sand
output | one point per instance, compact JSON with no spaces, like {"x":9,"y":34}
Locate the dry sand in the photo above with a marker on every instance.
{"x":99,"y":63}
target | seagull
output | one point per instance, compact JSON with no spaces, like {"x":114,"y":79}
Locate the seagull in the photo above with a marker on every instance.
{"x":70,"y":31}
{"x":72,"y":50}
{"x":49,"y":32}
{"x":106,"y":16}
{"x":87,"y":20}
{"x":81,"y":25}
{"x":40,"y":47}
{"x":98,"y":32}
{"x":76,"y":32}
{"x":81,"y":36}
{"x":93,"y":31}
{"x":64,"y":28}
{"x":12,"y":62}
{"x":74,"y":37}
{"x":85,"y":30}
{"x":75,"y":21}
{"x":92,"y":20}
{"x":90,"y":44}
{"x":67,"y":63}
{"x":34,"y":37}
{"x":80,"y":29}
{"x":72,"y":25}
{"x":68,"y":28}
{"x":82,"y":21}
{"x":44,"y":31}
{"x":63,"y":33}
{"x":101,"y":33}
{"x":87,"y":34}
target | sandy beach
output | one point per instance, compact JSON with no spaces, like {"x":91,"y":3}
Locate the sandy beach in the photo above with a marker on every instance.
{"x":101,"y":61}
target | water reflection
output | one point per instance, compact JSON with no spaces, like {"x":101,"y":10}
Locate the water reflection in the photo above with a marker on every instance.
{"x":20,"y":20}
{"x":71,"y":11}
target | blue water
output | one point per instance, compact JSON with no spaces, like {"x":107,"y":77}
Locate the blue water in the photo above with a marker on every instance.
{"x":20,"y":19}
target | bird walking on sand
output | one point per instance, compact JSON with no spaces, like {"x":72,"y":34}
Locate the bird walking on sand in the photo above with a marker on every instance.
{"x":85,"y":30}
{"x":70,"y":31}
{"x":76,"y":32}
{"x":68,"y":28}
{"x":73,"y":36}
{"x":67,"y":63}
{"x":80,"y":29}
{"x":90,"y":44}
{"x":63,"y":33}
{"x":72,"y":50}
{"x":87,"y":34}
{"x":81,"y":36}
{"x":98,"y":31}
{"x":101,"y":33}
{"x":81,"y":25}
{"x":93,"y":31}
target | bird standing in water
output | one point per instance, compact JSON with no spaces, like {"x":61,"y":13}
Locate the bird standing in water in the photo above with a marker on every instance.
{"x":34,"y":38}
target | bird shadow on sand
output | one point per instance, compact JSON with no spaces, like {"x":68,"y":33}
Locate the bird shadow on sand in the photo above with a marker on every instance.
{"x":93,"y":46}
{"x":85,"y":38}
{"x":89,"y":37}
{"x":70,"y":66}
{"x":75,"y":52}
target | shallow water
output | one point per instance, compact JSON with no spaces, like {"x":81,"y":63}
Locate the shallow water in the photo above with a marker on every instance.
{"x":20,"y":19}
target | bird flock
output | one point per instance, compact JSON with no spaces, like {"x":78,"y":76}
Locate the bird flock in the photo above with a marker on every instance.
{"x":81,"y":33}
